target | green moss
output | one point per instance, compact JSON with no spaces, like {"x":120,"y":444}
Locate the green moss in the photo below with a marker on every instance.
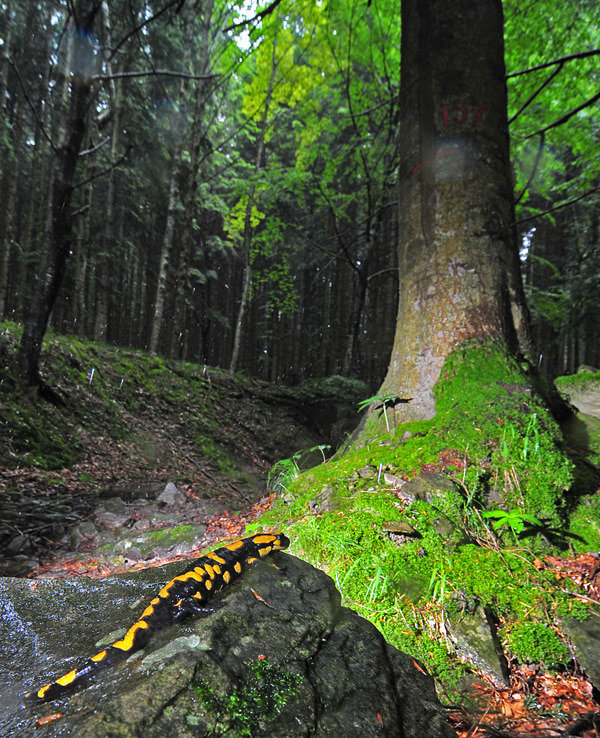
{"x":584,"y":523}
{"x":536,"y":642}
{"x":581,"y":381}
{"x":256,"y":703}
{"x":495,"y":437}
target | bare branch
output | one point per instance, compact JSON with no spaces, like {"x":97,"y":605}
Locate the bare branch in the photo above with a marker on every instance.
{"x":146,"y":22}
{"x":31,"y":105}
{"x":152,"y":72}
{"x":259,"y":16}
{"x":534,"y":169}
{"x":566,"y":117}
{"x":558,"y":207}
{"x":95,"y":148}
{"x":118,"y":163}
{"x":562,"y":60}
{"x":537,"y":92}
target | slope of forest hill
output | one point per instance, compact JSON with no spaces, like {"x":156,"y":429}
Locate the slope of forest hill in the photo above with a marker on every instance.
{"x":131,"y":423}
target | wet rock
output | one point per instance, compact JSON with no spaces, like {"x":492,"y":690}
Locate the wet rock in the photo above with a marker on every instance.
{"x":115,"y":505}
{"x":171,"y":496}
{"x":367,"y":472}
{"x":18,"y":545}
{"x":134,"y":491}
{"x":585,"y":639}
{"x":135,"y":545}
{"x":82,"y":531}
{"x":334,"y":674}
{"x":20,"y":566}
{"x":428,"y":486}
{"x":325,"y":501}
{"x":111,"y":520}
{"x":393,"y":480}
{"x":476,"y":640}
{"x":399,"y":526}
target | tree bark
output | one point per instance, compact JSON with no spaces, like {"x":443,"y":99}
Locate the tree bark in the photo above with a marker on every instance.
{"x":458,"y":257}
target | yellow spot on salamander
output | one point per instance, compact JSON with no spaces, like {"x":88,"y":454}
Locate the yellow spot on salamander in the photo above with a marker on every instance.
{"x":210,"y":570}
{"x":217,"y":569}
{"x":99,"y":656}
{"x":126,"y":643}
{"x":226,"y":577}
{"x":43,"y":690}
{"x":252,"y":559}
{"x":266,"y":550}
{"x":235,"y":545}
{"x":195,"y":575}
{"x":263,"y":539}
{"x":148,"y":611}
{"x":208,"y":584}
{"x":238,"y":567}
{"x":216,"y":558}
{"x":164,"y":592}
{"x":67,"y":678}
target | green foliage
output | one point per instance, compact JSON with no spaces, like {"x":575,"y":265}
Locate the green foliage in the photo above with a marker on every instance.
{"x":285,"y":471}
{"x":256,"y":703}
{"x":513,"y":519}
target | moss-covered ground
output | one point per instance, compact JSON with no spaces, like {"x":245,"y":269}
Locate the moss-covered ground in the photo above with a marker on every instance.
{"x":518,"y":494}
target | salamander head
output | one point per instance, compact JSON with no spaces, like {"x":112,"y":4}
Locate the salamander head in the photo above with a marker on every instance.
{"x":267,"y":542}
{"x":280,"y":542}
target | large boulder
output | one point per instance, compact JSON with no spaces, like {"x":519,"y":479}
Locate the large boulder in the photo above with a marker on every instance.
{"x":282,"y":657}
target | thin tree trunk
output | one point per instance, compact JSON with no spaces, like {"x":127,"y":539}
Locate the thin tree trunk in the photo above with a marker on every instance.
{"x":8,"y":219}
{"x":53,"y":264}
{"x":177,"y":344}
{"x":247,"y":237}
{"x":174,"y":193}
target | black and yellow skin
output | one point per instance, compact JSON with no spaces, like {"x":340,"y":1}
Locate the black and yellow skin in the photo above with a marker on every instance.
{"x":186,"y":594}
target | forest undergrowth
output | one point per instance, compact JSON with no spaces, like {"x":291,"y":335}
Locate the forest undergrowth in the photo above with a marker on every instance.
{"x":486,"y":511}
{"x":488,"y":508}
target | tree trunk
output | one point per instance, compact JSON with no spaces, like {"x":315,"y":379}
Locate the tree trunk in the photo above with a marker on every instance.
{"x":53,"y":263}
{"x":247,"y":236}
{"x":177,"y":343}
{"x":8,"y":221}
{"x":174,"y":192}
{"x":458,"y":257}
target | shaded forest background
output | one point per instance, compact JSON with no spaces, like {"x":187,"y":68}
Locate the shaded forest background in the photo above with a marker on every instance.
{"x":234,"y":198}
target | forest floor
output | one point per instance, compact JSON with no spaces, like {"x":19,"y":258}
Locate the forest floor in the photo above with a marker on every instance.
{"x":216,"y":443}
{"x":130,"y":425}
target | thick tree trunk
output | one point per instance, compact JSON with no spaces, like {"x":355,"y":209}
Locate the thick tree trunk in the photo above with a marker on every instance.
{"x":459,"y":266}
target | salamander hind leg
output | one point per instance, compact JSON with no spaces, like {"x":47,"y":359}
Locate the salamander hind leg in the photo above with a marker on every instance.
{"x":190,"y":606}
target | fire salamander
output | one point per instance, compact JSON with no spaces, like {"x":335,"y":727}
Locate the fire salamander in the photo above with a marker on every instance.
{"x":186,"y":594}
